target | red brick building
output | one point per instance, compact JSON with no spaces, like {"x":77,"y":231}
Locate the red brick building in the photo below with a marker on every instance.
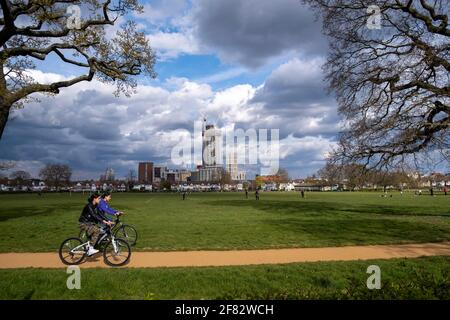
{"x":145,"y":172}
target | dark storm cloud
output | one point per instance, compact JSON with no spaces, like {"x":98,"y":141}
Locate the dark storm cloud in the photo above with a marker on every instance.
{"x":292,"y":84}
{"x":294,"y":98}
{"x":87,"y":129}
{"x":90,"y":129}
{"x":251,"y":32}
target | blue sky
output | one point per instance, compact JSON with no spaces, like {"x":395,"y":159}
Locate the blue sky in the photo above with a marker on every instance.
{"x":248,"y":64}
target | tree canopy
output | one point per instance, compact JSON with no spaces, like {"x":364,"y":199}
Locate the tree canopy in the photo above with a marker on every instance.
{"x":391,"y":82}
{"x":56,"y":175}
{"x":83,"y":33}
{"x":20,"y":175}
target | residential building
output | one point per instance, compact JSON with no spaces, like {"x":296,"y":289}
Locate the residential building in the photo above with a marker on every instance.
{"x":211,"y":174}
{"x":145,"y":172}
{"x":159,"y":173}
{"x":184,"y":175}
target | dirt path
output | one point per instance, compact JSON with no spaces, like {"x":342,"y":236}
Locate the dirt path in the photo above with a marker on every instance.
{"x":238,"y":257}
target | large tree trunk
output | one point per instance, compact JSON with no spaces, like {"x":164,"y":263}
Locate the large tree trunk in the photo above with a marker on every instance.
{"x":4,"y":105}
{"x":4,"y":114}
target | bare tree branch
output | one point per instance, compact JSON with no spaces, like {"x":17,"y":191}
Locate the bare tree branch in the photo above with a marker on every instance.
{"x":392,"y":84}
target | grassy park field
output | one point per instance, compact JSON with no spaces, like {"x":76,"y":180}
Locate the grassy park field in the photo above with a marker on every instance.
{"x":225,"y":221}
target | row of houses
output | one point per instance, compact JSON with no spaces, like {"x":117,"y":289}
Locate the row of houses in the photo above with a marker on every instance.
{"x":436,"y":181}
{"x":32,"y":185}
{"x":179,"y":182}
{"x":77,"y":187}
{"x":122,"y":187}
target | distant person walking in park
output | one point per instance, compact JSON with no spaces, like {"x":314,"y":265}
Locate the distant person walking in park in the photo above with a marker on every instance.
{"x":431,"y":191}
{"x":184,"y":194}
{"x":246,"y":193}
{"x":257,"y":194}
{"x":302,"y":192}
{"x":445,"y":190}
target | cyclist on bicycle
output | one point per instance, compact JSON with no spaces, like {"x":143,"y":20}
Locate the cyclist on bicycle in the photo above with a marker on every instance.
{"x":105,"y":209}
{"x":89,"y":220}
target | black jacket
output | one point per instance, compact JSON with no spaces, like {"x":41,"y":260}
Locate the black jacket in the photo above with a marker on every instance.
{"x":90,"y":214}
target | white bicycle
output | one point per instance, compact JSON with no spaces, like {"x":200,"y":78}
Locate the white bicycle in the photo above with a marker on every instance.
{"x":116,"y":251}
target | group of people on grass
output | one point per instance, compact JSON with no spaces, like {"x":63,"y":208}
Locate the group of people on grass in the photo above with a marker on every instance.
{"x":184,"y":194}
{"x":96,"y":213}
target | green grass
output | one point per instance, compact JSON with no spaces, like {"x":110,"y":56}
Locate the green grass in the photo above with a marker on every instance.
{"x":228,"y":221}
{"x":421,"y":278}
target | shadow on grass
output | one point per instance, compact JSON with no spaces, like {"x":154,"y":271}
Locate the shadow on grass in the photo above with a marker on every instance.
{"x":357,"y":230}
{"x":24,"y":212}
{"x":397,"y":211}
{"x":339,"y":223}
{"x":19,"y":212}
{"x":306,"y":208}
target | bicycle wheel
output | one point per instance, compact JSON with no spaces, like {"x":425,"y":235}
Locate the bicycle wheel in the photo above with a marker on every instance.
{"x":118,"y":253}
{"x":127,"y":233}
{"x":72,"y":251}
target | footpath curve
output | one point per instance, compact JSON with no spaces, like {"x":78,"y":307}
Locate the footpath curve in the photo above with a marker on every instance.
{"x":235,"y":257}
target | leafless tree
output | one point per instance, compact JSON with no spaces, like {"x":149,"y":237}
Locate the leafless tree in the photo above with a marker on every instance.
{"x":356,"y":175}
{"x":32,"y":30}
{"x":131,"y":176}
{"x":392,"y":83}
{"x":385,"y":179}
{"x":130,"y":179}
{"x":20,"y":178}
{"x":20,"y":175}
{"x":225,"y":178}
{"x":56,"y":175}
{"x":282,"y":175}
{"x":332,"y":173}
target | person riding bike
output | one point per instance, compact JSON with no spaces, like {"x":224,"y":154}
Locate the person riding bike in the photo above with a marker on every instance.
{"x":89,"y":220}
{"x":105,"y":209}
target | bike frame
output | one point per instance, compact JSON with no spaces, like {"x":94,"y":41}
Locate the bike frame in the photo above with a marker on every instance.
{"x":81,"y":246}
{"x":117,"y":224}
{"x":108,"y":233}
{"x":105,"y":235}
